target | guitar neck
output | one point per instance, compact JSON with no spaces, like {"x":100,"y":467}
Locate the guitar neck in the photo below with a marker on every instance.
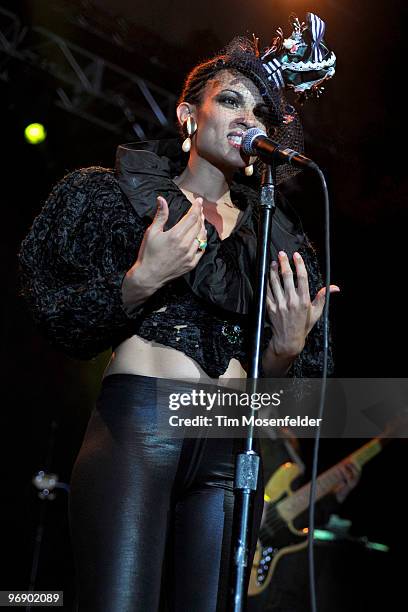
{"x":293,"y":505}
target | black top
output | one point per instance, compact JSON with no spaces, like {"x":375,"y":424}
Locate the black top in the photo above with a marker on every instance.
{"x":87,"y":236}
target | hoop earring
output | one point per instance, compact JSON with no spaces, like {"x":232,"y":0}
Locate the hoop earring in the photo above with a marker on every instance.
{"x":249,"y":170}
{"x":191,"y":129}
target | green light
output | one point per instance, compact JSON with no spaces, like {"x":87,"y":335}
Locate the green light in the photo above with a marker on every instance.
{"x":35,"y":133}
{"x":377,"y":546}
{"x":322,"y":534}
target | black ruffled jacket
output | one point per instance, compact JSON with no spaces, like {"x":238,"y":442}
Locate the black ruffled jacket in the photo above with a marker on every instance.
{"x":87,"y":236}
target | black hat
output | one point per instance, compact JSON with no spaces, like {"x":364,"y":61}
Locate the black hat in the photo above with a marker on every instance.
{"x":300,"y":63}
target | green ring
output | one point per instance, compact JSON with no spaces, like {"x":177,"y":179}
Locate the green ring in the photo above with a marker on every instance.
{"x":201,"y":244}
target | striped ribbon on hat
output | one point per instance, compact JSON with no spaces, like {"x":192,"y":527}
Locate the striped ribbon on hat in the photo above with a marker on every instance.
{"x":274,"y":67}
{"x":317,"y":28}
{"x":274,"y":70}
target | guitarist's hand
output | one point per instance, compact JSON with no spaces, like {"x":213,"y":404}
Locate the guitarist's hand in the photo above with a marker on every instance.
{"x":291,"y":310}
{"x":351,"y":475}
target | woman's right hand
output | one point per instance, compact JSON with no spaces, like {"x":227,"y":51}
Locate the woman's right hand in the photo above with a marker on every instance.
{"x":165,"y":255}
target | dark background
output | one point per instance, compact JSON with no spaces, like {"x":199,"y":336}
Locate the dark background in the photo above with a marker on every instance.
{"x":354,"y":132}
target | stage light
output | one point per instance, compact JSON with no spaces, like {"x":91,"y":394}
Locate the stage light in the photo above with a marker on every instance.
{"x":35,"y":133}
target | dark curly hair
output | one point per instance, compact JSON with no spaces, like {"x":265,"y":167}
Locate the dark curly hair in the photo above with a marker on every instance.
{"x":239,"y":57}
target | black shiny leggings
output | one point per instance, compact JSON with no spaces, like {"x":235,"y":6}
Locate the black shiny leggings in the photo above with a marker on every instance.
{"x":150,"y":517}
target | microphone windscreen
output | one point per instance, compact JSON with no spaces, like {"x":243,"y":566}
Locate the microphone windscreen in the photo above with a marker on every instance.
{"x":248,"y":139}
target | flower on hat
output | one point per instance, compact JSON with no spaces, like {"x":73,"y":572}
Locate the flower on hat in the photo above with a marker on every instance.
{"x":290,"y":44}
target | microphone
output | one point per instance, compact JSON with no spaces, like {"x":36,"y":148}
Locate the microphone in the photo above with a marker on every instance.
{"x":256,"y":142}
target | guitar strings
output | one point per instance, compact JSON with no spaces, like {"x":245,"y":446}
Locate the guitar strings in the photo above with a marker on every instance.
{"x":278,"y":521}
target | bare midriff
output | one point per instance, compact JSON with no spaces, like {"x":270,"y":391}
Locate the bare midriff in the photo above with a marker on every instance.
{"x":135,"y":355}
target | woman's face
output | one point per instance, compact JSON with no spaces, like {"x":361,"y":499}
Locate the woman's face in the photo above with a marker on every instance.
{"x":224,"y":115}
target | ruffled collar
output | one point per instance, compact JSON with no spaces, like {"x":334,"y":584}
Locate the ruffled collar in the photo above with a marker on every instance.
{"x":225,"y":274}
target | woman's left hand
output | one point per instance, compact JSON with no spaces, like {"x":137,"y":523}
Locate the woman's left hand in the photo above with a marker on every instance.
{"x":291,"y":310}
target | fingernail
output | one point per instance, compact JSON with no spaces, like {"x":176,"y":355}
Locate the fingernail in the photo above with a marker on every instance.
{"x":297,"y":255}
{"x":335,"y":288}
{"x":274,"y":264}
{"x":282,"y":253}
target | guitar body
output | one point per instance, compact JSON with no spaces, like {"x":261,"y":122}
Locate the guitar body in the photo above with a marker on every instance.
{"x":277,"y":536}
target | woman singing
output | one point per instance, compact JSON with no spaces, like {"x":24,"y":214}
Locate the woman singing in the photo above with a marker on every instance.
{"x":156,"y":260}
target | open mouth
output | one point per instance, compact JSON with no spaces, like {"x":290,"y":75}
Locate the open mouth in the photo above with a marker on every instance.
{"x":235,"y":139}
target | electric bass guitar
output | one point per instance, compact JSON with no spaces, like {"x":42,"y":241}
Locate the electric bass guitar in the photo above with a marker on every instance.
{"x":278,"y":535}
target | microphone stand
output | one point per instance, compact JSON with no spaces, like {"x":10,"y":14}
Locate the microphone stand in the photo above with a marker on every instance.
{"x":247,"y":462}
